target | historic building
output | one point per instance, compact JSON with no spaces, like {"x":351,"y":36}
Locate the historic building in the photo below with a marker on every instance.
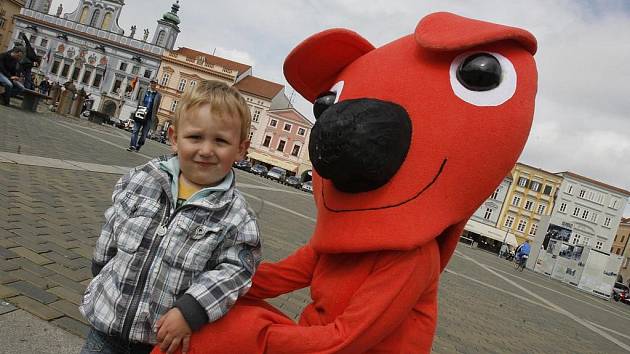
{"x":621,"y":246}
{"x":88,"y":46}
{"x":530,"y":196}
{"x":8,"y":9}
{"x":284,"y":142}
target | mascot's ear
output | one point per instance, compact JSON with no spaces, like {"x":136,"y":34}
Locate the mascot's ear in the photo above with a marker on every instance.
{"x":444,"y":31}
{"x":312,"y":67}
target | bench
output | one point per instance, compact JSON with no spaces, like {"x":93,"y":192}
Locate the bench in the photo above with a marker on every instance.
{"x":31,"y":99}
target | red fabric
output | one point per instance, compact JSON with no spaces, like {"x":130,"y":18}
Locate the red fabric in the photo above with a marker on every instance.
{"x":374,"y":260}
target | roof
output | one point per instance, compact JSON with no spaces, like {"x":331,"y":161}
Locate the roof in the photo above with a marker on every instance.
{"x":598,"y":183}
{"x":211,"y":59}
{"x":293,"y":115}
{"x":259,"y":87}
{"x":536,"y":168}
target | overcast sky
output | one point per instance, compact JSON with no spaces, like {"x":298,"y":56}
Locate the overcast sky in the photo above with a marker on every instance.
{"x":582,"y":120}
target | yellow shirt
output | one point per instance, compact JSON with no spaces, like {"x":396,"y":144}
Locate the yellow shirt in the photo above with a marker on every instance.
{"x":184,"y":191}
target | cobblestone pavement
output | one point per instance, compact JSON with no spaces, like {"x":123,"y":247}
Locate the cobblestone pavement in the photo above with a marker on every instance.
{"x":56,"y":178}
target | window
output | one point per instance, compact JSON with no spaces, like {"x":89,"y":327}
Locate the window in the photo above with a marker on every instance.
{"x":287,"y":127}
{"x":301,"y":132}
{"x":182,"y":85}
{"x":267,"y":141}
{"x":529,"y":205}
{"x":44,"y":42}
{"x":32,"y":38}
{"x":516,"y":200}
{"x":522,"y":181}
{"x":570,"y":189}
{"x":582,"y":193}
{"x":613,"y":203}
{"x":65,"y":70}
{"x":541,"y":208}
{"x":98,"y":77}
{"x":55,"y":67}
{"x":116,"y":87}
{"x":535,"y":186}
{"x":193,"y":83}
{"x":174,"y":105}
{"x":533,"y":229}
{"x":135,"y":70}
{"x":273,"y":123}
{"x":622,"y":238}
{"x":281,"y":145}
{"x":87,"y":75}
{"x":585,"y":214}
{"x":576,"y":211}
{"x":148,"y":74}
{"x":160,"y":38}
{"x":521,"y":225}
{"x":563,"y":207}
{"x":509,"y":221}
{"x":296,"y":150}
{"x":165,"y":78}
{"x":250,"y":136}
{"x":618,"y":251}
{"x":599,"y":245}
{"x":576,"y":239}
{"x":487,"y":214}
{"x":607,"y":221}
{"x":75,"y":74}
{"x":94,"y":19}
{"x":256,"y":115}
{"x":123,"y":66}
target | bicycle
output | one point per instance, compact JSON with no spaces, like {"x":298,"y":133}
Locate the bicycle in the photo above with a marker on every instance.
{"x":519,"y":264}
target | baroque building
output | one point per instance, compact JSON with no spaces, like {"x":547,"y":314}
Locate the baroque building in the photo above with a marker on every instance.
{"x":8,"y":9}
{"x":88,"y":46}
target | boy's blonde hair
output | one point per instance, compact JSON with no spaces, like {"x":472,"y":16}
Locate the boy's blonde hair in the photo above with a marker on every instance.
{"x":224,"y":101}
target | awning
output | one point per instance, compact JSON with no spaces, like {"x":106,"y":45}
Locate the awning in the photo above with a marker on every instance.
{"x":490,"y":232}
{"x":272,"y":161}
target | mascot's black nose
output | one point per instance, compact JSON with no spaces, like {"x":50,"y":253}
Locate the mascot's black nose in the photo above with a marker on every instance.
{"x":360,"y":144}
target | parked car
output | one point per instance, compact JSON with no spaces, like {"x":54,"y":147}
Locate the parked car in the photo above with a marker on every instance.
{"x":259,"y":169}
{"x":621,"y":292}
{"x":307,"y":186}
{"x":277,"y":174}
{"x":293,"y":181}
{"x":244,"y":165}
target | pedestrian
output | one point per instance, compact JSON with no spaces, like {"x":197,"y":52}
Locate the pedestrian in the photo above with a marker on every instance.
{"x":9,"y":73}
{"x":28,"y":61}
{"x":503,"y":251}
{"x":179,"y":244}
{"x":150,"y":102}
{"x":44,"y":86}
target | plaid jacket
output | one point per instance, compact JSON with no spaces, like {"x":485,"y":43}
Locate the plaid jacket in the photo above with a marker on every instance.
{"x":149,"y":258}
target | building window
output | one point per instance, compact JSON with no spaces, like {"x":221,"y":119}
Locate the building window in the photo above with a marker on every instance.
{"x":44,"y":42}
{"x":516,"y":200}
{"x":94,"y":19}
{"x":281,"y":145}
{"x":582,"y":193}
{"x":599,"y":245}
{"x":250,"y":136}
{"x":174,"y":105}
{"x":585,"y":214}
{"x":301,"y":132}
{"x":193,"y":83}
{"x":533,"y":229}
{"x":535,"y":186}
{"x":75,"y":74}
{"x":576,"y":239}
{"x":521,"y":225}
{"x":296,"y":150}
{"x":148,"y":74}
{"x":487,"y":214}
{"x":65,"y":70}
{"x":55,"y":67}
{"x":256,"y":115}
{"x":273,"y":123}
{"x":541,"y":208}
{"x":509,"y":221}
{"x":563,"y":207}
{"x":116,"y":87}
{"x":495,"y":194}
{"x":160,"y":39}
{"x":135,"y":70}
{"x":287,"y":127}
{"x":613,"y":203}
{"x":570,"y":189}
{"x":522,"y":181}
{"x":123,"y":66}
{"x":529,"y":205}
{"x":623,"y":237}
{"x":98,"y":77}
{"x":182,"y":85}
{"x":267,"y":141}
{"x":87,"y":75}
{"x":607,"y":221}
{"x":618,"y":251}
{"x":576,"y":211}
{"x":165,"y":78}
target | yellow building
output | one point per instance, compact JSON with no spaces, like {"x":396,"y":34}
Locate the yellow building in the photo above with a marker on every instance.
{"x":621,"y":246}
{"x":529,"y":197}
{"x":8,"y":8}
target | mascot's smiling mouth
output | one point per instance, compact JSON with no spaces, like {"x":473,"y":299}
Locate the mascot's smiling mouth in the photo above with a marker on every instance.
{"x":339,"y":210}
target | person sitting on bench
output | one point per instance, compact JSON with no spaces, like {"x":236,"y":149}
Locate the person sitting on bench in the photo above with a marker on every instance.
{"x":9,"y":78}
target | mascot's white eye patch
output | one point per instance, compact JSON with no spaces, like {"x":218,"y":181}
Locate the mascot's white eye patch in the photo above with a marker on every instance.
{"x":337,"y":89}
{"x":483,"y":78}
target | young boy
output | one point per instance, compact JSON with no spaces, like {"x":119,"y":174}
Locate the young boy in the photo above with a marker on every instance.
{"x":179,"y":244}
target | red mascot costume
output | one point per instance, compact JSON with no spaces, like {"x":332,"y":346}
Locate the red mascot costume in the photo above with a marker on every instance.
{"x":410,"y":139}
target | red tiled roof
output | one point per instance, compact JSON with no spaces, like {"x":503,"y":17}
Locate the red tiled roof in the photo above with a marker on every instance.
{"x":601,"y":184}
{"x":259,"y":87}
{"x":211,"y":59}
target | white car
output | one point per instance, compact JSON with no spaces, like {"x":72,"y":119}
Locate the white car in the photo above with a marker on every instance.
{"x":307,"y":186}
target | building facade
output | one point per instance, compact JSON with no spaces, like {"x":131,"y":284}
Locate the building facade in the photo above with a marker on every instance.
{"x":530,"y":197}
{"x":8,"y":9}
{"x":89,"y":47}
{"x":622,"y":245}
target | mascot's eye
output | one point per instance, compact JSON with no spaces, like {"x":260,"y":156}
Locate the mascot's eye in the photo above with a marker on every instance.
{"x":479,"y":72}
{"x":483,"y":79}
{"x":323,"y":101}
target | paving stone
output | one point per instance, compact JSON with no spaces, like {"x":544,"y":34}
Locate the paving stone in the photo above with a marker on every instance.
{"x":21,"y":274}
{"x":36,"y":308}
{"x":66,"y":294}
{"x":31,"y":267}
{"x":6,"y":291}
{"x":66,"y":262}
{"x":31,"y":243}
{"x":73,"y":326}
{"x":6,"y":307}
{"x":5,"y":266}
{"x":85,"y":251}
{"x":76,"y":275}
{"x":58,"y":279}
{"x":32,"y":291}
{"x":6,"y":277}
{"x":32,"y":256}
{"x":6,"y":254}
{"x":70,"y":254}
{"x":69,"y":309}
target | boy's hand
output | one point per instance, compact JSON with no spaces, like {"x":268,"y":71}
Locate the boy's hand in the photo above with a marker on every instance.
{"x":173,"y":331}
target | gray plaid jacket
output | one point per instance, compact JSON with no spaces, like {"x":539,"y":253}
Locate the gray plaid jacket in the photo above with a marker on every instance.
{"x":149,"y":258}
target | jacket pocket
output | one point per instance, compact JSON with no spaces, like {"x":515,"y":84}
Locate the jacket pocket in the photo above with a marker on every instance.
{"x":192,"y":245}
{"x":141,"y":213}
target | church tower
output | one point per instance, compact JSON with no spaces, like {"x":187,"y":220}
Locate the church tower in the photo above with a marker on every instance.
{"x":101,"y":14}
{"x":167,"y":29}
{"x":38,"y":5}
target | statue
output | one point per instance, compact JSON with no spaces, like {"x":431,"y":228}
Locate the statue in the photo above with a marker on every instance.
{"x":133,"y":31}
{"x":146,"y":34}
{"x":59,"y":10}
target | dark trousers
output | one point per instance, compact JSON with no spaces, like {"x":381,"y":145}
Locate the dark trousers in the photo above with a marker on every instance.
{"x":99,"y":342}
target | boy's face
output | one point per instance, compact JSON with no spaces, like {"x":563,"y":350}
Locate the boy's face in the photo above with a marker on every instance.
{"x":207,"y":146}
